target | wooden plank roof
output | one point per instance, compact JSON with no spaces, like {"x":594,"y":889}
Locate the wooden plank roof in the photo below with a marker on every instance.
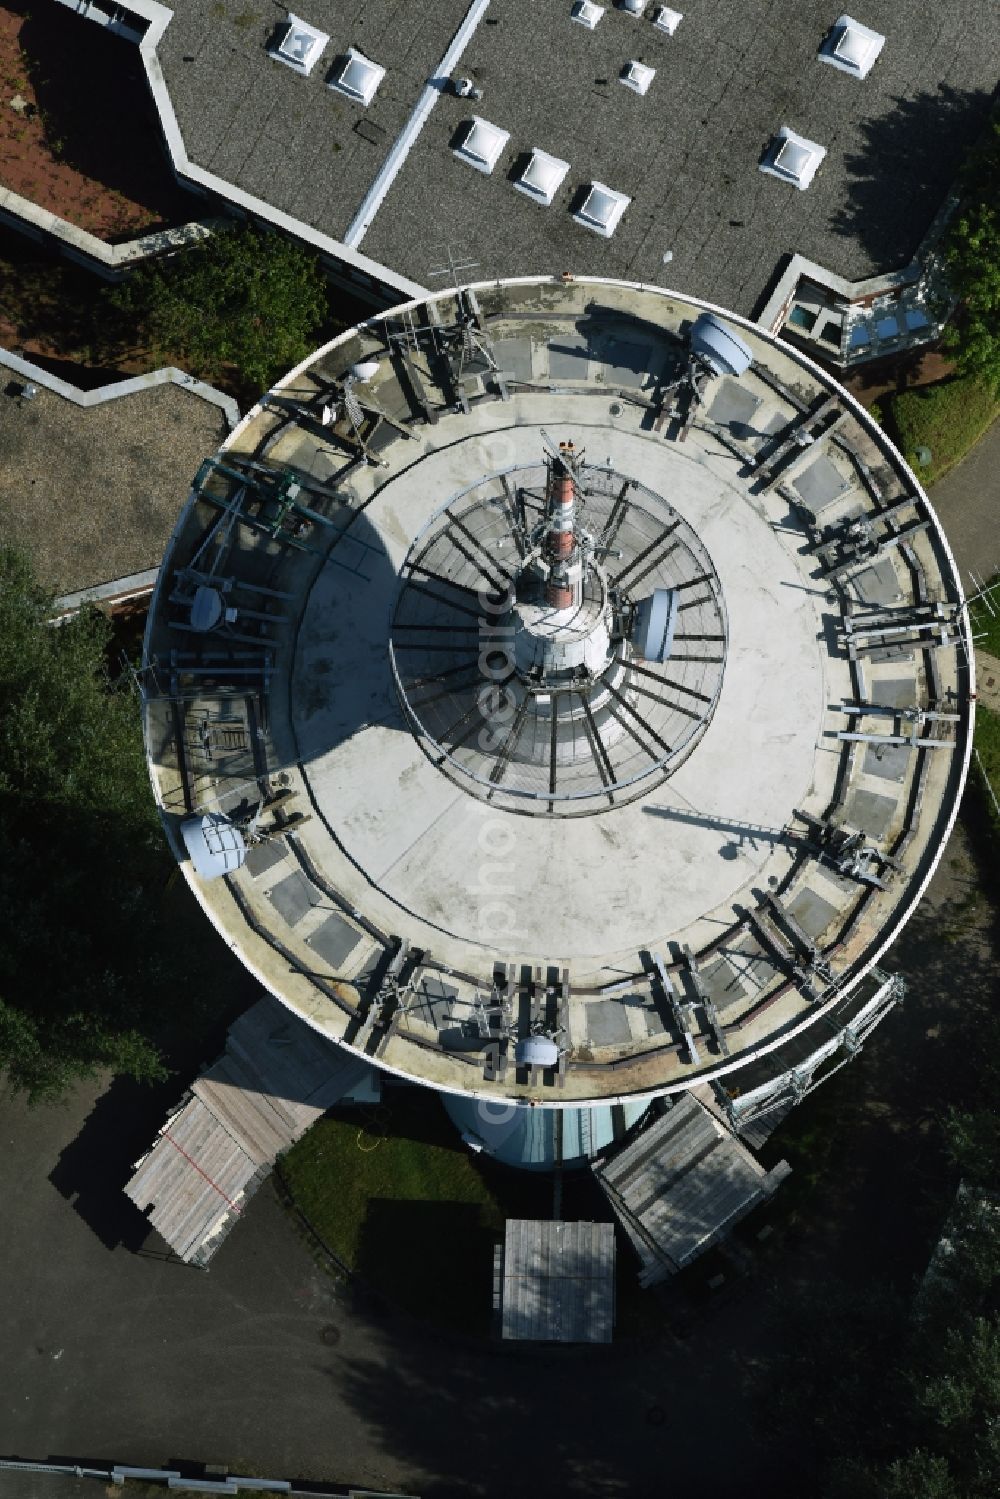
{"x":195,"y":1176}
{"x":558,"y":1281}
{"x":274,"y":1080}
{"x":682,"y":1185}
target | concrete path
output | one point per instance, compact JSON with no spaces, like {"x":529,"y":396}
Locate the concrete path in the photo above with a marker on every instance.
{"x":967,"y":501}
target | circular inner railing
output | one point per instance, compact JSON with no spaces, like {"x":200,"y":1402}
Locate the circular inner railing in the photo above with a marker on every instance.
{"x":585,"y":739}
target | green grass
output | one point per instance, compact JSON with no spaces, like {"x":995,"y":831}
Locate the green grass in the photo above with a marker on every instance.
{"x":986,"y":622}
{"x":987,"y":743}
{"x":406,"y":1206}
{"x":948,"y":417}
{"x":414,"y":1215}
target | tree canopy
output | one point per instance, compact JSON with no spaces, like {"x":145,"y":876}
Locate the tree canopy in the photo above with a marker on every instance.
{"x":92,"y":974}
{"x":242,"y":297}
{"x":901,"y":1393}
{"x":971,"y":249}
{"x":900,"y":1388}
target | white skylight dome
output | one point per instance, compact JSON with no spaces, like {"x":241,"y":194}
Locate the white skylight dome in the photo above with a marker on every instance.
{"x":851,"y":47}
{"x":301,"y":45}
{"x":542,"y":176}
{"x":482,"y":145}
{"x":601,"y":209}
{"x":637,"y":76}
{"x":665,"y":19}
{"x":792,"y":158}
{"x":587,"y":13}
{"x":356,"y":76}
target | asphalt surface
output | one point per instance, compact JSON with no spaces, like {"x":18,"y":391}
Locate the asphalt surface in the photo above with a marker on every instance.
{"x":112,"y":1352}
{"x":967,"y":501}
{"x":25,"y":1485}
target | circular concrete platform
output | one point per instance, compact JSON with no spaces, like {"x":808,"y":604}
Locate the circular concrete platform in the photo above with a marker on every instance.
{"x":567,"y":691}
{"x":595,"y":888}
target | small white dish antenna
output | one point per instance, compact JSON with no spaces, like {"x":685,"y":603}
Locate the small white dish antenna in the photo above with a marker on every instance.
{"x":536,"y":1051}
{"x":206,"y":608}
{"x":214,"y":846}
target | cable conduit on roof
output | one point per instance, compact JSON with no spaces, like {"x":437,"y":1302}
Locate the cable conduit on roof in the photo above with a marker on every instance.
{"x":376,"y":194}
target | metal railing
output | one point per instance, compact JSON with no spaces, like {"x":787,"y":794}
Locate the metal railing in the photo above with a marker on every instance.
{"x":172,"y":1479}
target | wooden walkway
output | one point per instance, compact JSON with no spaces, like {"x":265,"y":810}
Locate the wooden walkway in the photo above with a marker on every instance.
{"x":275,"y":1078}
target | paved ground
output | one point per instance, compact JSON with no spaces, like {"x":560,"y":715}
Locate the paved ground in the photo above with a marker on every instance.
{"x":47,"y":1486}
{"x":94,"y":493}
{"x":110,"y":1352}
{"x":967,"y":501}
{"x":988,"y":680}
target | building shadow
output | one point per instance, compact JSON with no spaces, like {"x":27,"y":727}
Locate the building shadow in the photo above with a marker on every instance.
{"x":88,"y":377}
{"x":433,"y":1260}
{"x":529,"y":1417}
{"x":92,"y":1168}
{"x":903,"y":371}
{"x":908,"y":164}
{"x":750,"y":833}
{"x":56,"y":305}
{"x":98,"y":114}
{"x":106,"y":965}
{"x":770,"y":285}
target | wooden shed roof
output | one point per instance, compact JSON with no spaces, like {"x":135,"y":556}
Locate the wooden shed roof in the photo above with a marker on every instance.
{"x":558,"y":1282}
{"x":681,"y":1185}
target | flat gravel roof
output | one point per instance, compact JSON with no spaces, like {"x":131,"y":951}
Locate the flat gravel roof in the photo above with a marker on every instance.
{"x":687,"y":153}
{"x":92,"y":494}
